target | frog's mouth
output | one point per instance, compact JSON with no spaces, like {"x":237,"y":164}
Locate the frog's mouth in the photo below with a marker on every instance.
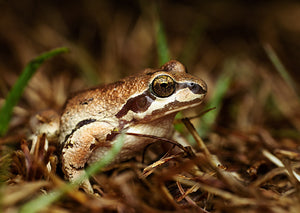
{"x":145,"y":107}
{"x":169,"y":109}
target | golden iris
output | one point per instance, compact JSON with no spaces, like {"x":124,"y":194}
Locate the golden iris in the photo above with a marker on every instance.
{"x":163,"y":86}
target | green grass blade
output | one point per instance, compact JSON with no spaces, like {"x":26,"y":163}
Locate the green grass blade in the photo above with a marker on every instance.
{"x":17,"y":90}
{"x":107,"y":159}
{"x":216,"y":100}
{"x":43,"y":201}
{"x":162,"y":45}
{"x":279,"y":66}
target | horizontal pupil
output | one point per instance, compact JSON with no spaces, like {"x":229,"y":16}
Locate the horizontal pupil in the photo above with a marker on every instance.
{"x":164,"y":89}
{"x":164,"y":84}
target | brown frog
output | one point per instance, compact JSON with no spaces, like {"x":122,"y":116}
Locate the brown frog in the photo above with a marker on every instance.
{"x":145,"y":103}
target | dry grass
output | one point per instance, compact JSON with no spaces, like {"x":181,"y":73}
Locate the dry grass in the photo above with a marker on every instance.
{"x":247,"y":158}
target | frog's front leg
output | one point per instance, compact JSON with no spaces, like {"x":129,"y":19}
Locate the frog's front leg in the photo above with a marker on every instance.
{"x":78,"y":148}
{"x":45,"y":122}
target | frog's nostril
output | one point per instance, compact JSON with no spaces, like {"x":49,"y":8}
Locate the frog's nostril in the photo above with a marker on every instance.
{"x":196,"y":88}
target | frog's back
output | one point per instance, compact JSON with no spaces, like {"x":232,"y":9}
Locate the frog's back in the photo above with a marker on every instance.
{"x":100,"y":103}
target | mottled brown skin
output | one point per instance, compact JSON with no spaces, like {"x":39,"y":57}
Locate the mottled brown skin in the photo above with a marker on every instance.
{"x":131,"y":105}
{"x":114,"y":95}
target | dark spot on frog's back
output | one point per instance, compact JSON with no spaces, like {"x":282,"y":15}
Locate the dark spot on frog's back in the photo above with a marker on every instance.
{"x":86,"y":101}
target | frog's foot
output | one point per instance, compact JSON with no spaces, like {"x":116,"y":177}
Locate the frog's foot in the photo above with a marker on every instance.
{"x":84,"y":184}
{"x":45,"y":129}
{"x":45,"y":122}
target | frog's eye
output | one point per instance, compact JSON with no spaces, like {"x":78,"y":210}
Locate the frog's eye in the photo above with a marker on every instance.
{"x":163,"y":86}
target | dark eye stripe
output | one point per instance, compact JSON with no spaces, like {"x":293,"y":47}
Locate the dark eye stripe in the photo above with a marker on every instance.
{"x":139,"y":103}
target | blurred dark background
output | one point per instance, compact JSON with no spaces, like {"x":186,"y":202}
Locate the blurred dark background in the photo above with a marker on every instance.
{"x":248,"y":53}
{"x":126,"y":29}
{"x":112,"y":39}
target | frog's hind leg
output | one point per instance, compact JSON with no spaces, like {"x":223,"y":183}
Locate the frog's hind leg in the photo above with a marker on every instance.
{"x":78,"y":148}
{"x":74,"y":157}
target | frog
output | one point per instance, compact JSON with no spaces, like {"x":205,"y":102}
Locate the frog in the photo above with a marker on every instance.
{"x":145,"y":103}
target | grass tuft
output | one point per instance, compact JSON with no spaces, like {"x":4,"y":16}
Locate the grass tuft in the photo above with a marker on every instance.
{"x":43,"y":201}
{"x":17,"y":90}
